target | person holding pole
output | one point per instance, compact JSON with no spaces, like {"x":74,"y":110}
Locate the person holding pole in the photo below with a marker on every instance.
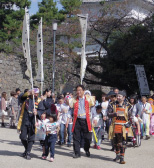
{"x":26,"y":125}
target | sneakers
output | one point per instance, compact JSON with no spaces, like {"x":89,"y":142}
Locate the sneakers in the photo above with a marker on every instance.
{"x":117,"y":158}
{"x":75,"y":156}
{"x":61,"y":143}
{"x":43,"y":154}
{"x":13,"y":127}
{"x":95,"y":146}
{"x":98,"y":147}
{"x":2,"y":125}
{"x":122,"y":160}
{"x":69,"y":145}
{"x":28,"y":156}
{"x":51,"y":159}
{"x":23,"y":154}
{"x":147,"y":137}
{"x":87,"y":153}
{"x":44,"y":157}
{"x":82,"y":150}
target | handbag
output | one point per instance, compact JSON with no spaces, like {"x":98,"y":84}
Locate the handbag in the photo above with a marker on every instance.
{"x":3,"y":112}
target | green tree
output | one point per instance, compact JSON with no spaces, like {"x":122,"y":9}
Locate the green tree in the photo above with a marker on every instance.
{"x":129,"y":48}
{"x":11,"y":17}
{"x":134,"y":48}
{"x":126,"y":41}
{"x":70,"y":6}
{"x":48,"y":11}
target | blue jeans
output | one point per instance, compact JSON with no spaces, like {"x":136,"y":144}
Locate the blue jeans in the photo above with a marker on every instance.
{"x":98,"y":132}
{"x":69,"y":132}
{"x":50,"y":142}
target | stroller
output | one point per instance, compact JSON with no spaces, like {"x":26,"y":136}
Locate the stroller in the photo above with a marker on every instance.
{"x":136,"y":139}
{"x":152,"y":124}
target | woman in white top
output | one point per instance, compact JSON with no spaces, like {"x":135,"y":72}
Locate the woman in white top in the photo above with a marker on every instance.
{"x":135,"y":110}
{"x":104,"y":105}
{"x":3,"y":107}
{"x":146,"y":110}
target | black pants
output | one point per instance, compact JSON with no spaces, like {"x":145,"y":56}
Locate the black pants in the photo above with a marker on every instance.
{"x":107,"y":125}
{"x":81,"y":127}
{"x":27,"y":137}
{"x":82,"y":141}
{"x":50,"y":142}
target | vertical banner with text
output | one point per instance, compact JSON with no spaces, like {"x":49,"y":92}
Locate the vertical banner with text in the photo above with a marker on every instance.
{"x":40,"y":73}
{"x":83,"y":22}
{"x":142,"y":80}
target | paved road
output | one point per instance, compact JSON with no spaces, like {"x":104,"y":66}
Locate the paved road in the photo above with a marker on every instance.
{"x":11,"y":148}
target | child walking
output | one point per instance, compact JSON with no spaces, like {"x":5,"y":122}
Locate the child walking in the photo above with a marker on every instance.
{"x":41,"y":133}
{"x":51,"y":136}
{"x":98,"y":127}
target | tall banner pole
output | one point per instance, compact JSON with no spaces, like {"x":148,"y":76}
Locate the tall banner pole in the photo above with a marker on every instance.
{"x":40,"y":73}
{"x":26,"y":48}
{"x":83,"y":23}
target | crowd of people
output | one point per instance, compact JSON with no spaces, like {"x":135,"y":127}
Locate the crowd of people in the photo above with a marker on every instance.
{"x":78,"y":117}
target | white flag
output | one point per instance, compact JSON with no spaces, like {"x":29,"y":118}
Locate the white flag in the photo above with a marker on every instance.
{"x":83,"y":22}
{"x":25,"y":44}
{"x":40,"y":74}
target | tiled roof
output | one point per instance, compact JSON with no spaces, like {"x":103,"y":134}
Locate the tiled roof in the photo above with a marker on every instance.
{"x":93,"y":0}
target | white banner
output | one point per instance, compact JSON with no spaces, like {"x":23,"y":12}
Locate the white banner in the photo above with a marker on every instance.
{"x":83,"y":22}
{"x":40,"y":74}
{"x":142,"y":80}
{"x":25,"y":44}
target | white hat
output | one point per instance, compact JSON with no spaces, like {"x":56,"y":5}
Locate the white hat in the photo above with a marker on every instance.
{"x":87,"y":92}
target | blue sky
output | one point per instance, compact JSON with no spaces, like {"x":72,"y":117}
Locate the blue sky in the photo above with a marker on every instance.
{"x":34,"y":6}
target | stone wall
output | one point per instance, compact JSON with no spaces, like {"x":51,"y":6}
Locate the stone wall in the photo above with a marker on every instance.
{"x":12,"y":74}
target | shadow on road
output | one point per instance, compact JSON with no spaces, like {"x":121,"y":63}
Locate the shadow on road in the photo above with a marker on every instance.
{"x":69,"y":152}
{"x":59,"y":150}
{"x":18,"y":143}
{"x":18,"y":154}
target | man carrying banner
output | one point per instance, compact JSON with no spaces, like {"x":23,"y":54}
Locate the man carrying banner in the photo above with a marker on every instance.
{"x":81,"y":123}
{"x":26,"y":124}
{"x":118,"y":111}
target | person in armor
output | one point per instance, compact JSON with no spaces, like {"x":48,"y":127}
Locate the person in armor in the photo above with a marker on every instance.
{"x":119,"y":129}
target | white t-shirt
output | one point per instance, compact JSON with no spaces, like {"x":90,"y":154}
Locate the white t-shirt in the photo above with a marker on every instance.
{"x":104,"y":107}
{"x":52,"y":127}
{"x":64,"y":113}
{"x":58,"y":106}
